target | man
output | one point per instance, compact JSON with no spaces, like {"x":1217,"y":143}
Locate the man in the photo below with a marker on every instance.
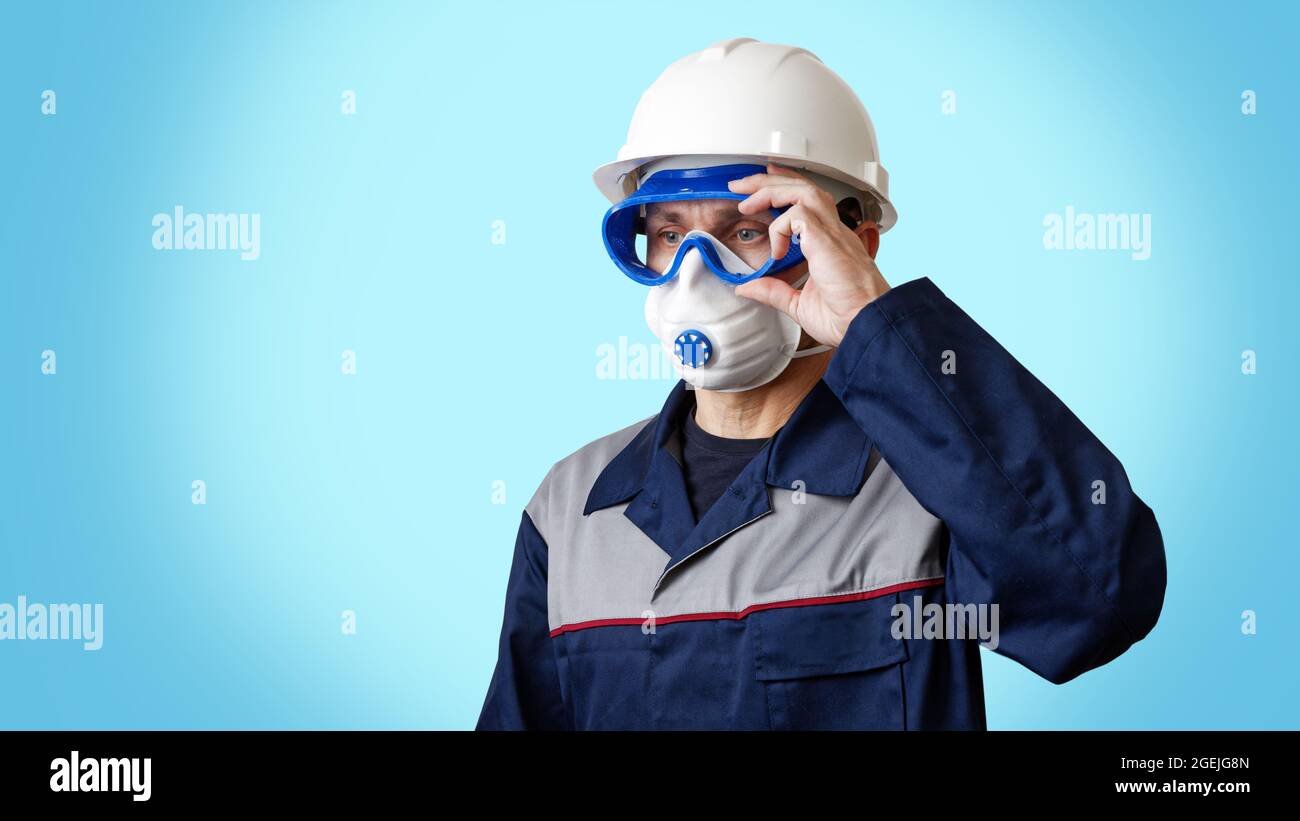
{"x":841,"y":462}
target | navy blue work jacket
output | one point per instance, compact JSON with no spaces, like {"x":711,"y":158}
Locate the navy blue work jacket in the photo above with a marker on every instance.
{"x":927,"y":478}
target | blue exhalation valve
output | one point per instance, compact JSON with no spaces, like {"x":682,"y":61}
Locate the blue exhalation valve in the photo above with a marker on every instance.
{"x":693,"y":348}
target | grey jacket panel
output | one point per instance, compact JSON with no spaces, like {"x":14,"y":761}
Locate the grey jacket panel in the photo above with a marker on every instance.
{"x":603,"y":568}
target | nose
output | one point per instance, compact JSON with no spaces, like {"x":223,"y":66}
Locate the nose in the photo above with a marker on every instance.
{"x":693,"y":273}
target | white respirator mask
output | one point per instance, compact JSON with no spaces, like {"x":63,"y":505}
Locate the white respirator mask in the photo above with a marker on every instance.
{"x":717,"y":340}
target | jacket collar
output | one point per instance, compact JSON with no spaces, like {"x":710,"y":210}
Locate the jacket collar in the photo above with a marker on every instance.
{"x":819,"y":450}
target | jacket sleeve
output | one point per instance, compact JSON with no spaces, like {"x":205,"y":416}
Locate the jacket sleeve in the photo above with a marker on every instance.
{"x":1040,"y":515}
{"x":524,"y":693}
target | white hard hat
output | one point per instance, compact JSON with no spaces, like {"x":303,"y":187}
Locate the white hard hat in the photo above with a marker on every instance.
{"x":762,"y":101}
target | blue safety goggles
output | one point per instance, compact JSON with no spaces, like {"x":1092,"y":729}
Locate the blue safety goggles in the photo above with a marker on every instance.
{"x":623,"y":222}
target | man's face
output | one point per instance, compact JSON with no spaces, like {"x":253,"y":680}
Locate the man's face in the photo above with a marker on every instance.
{"x":666,"y":223}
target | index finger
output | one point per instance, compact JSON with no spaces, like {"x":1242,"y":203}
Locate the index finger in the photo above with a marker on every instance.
{"x":773,"y":170}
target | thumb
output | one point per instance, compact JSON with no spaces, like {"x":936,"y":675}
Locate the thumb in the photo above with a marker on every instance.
{"x":773,"y":292}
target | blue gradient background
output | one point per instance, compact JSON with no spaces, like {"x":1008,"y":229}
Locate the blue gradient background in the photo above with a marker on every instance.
{"x":477,"y":362}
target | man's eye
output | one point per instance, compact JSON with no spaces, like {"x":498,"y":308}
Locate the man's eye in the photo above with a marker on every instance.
{"x":670,"y":237}
{"x":748,"y":234}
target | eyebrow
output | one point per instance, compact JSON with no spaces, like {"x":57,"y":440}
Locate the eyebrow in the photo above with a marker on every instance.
{"x":668,"y":214}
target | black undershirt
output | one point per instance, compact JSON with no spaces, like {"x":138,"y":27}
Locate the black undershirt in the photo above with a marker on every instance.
{"x":711,"y":463}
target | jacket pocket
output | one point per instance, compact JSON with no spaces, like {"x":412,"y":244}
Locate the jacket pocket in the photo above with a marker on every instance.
{"x":831,"y":666}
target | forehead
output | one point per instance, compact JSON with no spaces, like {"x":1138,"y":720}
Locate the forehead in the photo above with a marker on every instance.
{"x":713,"y":211}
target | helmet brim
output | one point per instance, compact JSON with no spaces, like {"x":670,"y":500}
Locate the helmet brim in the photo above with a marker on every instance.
{"x":616,"y":182}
